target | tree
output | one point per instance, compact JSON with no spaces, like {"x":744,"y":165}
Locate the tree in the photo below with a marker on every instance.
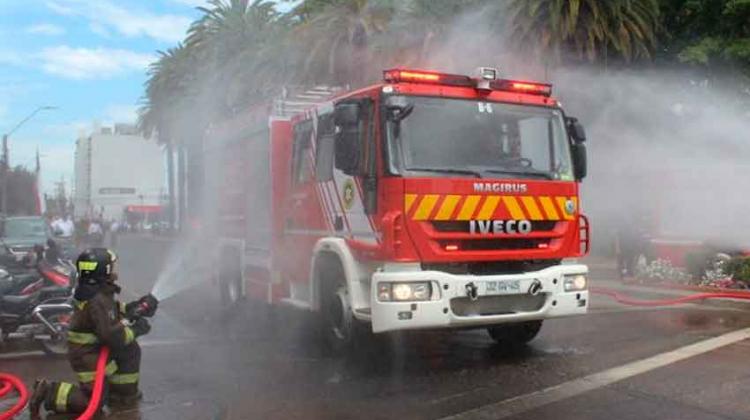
{"x":336,"y":36}
{"x":167,"y":90}
{"x":585,"y":29}
{"x":419,"y":27}
{"x":708,"y":33}
{"x":22,"y":198}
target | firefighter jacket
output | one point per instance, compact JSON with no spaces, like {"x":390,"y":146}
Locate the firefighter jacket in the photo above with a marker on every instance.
{"x":97,"y":322}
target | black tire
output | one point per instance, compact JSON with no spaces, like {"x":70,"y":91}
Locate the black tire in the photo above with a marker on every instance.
{"x":516,"y":334}
{"x":230,"y":282}
{"x":340,"y":331}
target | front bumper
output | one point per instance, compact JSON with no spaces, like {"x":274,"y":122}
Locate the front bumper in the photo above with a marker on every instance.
{"x":454,"y":308}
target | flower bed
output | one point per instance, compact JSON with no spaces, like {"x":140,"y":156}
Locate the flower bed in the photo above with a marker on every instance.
{"x":720,"y":271}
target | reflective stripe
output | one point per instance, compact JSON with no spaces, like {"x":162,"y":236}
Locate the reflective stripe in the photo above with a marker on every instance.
{"x":75,"y":337}
{"x":129,"y":335}
{"x":87,"y":265}
{"x":61,"y":401}
{"x":86,"y":377}
{"x":79,"y":305}
{"x":122,"y":308}
{"x":124,"y":378}
{"x":111,"y":368}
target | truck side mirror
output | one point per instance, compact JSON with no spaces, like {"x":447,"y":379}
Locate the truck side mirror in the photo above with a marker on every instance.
{"x":579,"y":161}
{"x":348,"y":145}
{"x":575,"y":130}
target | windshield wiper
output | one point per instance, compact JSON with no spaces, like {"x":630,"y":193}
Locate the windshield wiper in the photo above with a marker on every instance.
{"x":476,"y":174}
{"x":530,"y":173}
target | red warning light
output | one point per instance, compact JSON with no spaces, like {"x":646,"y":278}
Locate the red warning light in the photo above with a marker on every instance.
{"x":422,"y":77}
{"x":418,"y":76}
{"x":534,"y":88}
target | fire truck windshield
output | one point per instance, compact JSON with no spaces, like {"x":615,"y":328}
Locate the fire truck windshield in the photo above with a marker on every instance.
{"x":458,"y":137}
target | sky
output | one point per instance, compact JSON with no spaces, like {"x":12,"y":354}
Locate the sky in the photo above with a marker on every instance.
{"x":86,"y":57}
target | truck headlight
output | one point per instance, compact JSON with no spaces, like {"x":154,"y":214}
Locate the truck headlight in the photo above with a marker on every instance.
{"x":402,"y":292}
{"x":575,"y":282}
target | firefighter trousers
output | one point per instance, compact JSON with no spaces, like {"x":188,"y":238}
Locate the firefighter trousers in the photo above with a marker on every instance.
{"x":122,"y":381}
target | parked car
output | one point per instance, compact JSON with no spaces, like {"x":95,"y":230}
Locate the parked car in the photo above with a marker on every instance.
{"x":20,"y":234}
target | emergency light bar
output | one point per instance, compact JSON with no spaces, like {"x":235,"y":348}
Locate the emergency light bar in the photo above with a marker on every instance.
{"x":419,"y":76}
{"x":427,"y":77}
{"x":533,"y":88}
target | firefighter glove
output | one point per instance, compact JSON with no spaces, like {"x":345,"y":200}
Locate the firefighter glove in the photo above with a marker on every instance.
{"x":140,"y":327}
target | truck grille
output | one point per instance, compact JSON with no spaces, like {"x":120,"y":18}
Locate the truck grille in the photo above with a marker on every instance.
{"x":463,"y":226}
{"x":498,"y":305}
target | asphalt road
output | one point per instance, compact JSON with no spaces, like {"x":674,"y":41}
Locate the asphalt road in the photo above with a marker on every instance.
{"x":618,"y":363}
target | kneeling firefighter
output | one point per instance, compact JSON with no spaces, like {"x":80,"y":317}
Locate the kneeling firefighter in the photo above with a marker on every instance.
{"x":98,"y":320}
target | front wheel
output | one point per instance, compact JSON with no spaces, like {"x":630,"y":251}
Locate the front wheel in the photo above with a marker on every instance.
{"x":340,"y":331}
{"x":515,"y":334}
{"x":230,"y":283}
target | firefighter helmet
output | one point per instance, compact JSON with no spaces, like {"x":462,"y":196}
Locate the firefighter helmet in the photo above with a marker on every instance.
{"x":96,"y":265}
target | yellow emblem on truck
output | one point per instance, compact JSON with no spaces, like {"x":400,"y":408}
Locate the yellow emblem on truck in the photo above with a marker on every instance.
{"x":347,"y":194}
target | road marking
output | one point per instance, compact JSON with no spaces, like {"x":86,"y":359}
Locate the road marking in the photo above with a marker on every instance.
{"x":527,"y":402}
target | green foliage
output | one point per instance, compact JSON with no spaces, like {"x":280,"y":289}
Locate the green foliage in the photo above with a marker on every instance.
{"x":739,"y":268}
{"x":589,"y":29}
{"x":708,"y":32}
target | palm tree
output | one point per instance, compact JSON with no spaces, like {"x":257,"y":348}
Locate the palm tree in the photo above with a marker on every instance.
{"x":166,"y":93}
{"x":335,"y":36}
{"x":420,"y":26}
{"x":207,"y":78}
{"x":232,"y":41}
{"x":585,"y":28}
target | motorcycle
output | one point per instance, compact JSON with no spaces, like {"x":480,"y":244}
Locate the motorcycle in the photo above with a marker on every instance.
{"x":37,"y":307}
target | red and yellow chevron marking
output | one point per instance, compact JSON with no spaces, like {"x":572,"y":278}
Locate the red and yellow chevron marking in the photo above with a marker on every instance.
{"x":488,"y":207}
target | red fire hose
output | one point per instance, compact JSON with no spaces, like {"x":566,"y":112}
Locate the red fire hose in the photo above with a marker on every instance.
{"x":8,"y":382}
{"x":626,"y":300}
{"x":96,"y":394}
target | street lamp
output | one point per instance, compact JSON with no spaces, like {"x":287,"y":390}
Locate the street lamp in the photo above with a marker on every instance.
{"x":5,"y":158}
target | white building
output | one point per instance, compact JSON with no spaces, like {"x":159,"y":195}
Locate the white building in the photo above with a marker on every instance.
{"x":118,"y":170}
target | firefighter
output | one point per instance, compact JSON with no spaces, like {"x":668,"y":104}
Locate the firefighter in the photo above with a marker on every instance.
{"x":98,"y":320}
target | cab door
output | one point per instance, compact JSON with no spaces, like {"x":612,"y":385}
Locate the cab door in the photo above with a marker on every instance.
{"x":303,"y":220}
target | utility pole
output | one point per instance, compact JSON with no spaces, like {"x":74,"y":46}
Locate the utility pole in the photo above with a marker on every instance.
{"x":6,"y":162}
{"x":4,"y":186}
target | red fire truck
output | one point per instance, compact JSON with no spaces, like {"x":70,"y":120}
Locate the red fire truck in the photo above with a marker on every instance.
{"x":425,"y":201}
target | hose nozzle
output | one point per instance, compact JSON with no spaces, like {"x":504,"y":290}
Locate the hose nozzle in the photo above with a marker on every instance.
{"x":147,"y":306}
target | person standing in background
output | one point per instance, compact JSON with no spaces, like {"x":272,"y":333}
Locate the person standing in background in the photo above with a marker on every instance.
{"x":114,"y":229}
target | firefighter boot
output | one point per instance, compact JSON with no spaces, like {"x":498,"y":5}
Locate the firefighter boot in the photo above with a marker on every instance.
{"x":41,"y":388}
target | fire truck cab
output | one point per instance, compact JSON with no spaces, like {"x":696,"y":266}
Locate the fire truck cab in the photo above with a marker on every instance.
{"x":426,"y":201}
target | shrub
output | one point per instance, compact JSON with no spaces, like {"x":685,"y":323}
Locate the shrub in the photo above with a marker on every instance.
{"x":739,"y":268}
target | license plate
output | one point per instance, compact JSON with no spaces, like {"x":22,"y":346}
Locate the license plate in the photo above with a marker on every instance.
{"x":502,"y":287}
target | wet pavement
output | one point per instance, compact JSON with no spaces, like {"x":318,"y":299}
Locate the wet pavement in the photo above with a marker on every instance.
{"x":200,"y":363}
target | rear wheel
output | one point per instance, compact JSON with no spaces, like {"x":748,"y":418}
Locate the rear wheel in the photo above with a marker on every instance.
{"x":515,"y":334}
